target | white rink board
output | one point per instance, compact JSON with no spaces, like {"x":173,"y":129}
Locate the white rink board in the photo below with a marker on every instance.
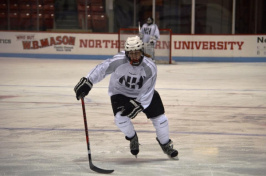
{"x":59,"y":43}
{"x":86,"y":44}
{"x":220,"y":45}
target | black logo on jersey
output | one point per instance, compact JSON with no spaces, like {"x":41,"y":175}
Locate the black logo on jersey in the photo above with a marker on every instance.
{"x":132,"y":82}
{"x":147,"y":31}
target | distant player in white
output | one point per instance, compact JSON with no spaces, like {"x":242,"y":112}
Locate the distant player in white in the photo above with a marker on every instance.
{"x":131,"y":88}
{"x":149,"y":34}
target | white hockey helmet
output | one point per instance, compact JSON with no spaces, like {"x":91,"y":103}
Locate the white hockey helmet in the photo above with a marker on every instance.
{"x":134,"y":50}
{"x":133,"y":44}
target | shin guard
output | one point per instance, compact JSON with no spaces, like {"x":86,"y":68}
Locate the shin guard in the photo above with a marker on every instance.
{"x":160,"y":123}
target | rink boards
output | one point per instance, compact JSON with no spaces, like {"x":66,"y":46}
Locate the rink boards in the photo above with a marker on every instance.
{"x":222,"y":48}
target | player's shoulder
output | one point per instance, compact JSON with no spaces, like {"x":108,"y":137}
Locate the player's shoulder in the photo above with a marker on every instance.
{"x":118,"y":59}
{"x":155,"y":25}
{"x":149,"y":62}
{"x":149,"y":67}
{"x":119,"y":56}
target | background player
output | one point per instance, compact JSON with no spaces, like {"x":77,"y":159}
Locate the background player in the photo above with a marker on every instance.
{"x":131,"y":87}
{"x":149,"y":33}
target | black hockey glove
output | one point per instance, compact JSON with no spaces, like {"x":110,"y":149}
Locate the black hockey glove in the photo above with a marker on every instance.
{"x":131,"y":109}
{"x":83,"y":88}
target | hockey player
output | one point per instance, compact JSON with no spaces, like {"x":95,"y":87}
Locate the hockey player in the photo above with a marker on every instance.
{"x":149,"y":34}
{"x":131,"y":89}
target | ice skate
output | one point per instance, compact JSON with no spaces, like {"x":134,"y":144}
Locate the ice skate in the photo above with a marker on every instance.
{"x":168,"y":149}
{"x":134,"y":145}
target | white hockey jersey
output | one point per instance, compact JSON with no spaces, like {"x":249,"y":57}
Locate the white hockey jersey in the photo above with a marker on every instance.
{"x":149,"y":30}
{"x":132,"y":81}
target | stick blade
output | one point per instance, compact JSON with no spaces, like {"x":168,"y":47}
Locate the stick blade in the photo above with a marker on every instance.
{"x":99,"y":170}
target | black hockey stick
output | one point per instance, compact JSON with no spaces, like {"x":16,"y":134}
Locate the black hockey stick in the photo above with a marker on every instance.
{"x":92,"y":167}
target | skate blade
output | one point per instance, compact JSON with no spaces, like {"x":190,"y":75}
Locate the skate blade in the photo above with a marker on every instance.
{"x":173,"y":158}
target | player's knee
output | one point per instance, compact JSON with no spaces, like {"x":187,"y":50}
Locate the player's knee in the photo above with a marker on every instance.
{"x":160,"y":121}
{"x":121,"y":121}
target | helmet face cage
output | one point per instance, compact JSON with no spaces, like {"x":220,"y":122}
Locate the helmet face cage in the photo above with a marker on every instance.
{"x":150,"y":21}
{"x":134,"y":44}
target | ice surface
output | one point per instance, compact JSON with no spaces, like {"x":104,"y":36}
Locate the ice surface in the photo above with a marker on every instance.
{"x":216,"y":111}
